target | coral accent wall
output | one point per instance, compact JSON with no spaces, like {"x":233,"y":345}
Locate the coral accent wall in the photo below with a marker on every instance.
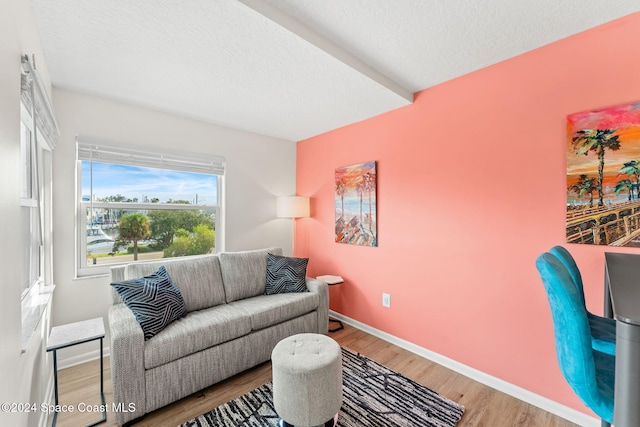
{"x":471,"y":189}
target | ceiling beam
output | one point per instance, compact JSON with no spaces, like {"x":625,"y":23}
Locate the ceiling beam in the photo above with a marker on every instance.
{"x":304,"y":32}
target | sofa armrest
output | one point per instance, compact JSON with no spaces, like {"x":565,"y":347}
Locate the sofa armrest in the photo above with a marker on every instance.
{"x":126,"y":354}
{"x":117,"y":275}
{"x":322,"y":289}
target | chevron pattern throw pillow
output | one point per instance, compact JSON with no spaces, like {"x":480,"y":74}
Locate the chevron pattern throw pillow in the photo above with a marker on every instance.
{"x":285,"y":274}
{"x":154,"y":300}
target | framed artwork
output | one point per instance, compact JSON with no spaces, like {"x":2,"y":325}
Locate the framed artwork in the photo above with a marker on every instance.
{"x":603,"y":176}
{"x":355,"y":204}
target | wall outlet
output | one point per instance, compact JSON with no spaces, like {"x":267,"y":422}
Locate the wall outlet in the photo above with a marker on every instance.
{"x":386,"y":300}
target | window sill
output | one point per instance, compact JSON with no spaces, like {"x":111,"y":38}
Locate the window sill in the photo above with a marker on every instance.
{"x":33,"y":306}
{"x":88,"y":276}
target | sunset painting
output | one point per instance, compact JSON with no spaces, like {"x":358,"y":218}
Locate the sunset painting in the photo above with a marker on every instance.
{"x":603,"y":176}
{"x":355,"y":204}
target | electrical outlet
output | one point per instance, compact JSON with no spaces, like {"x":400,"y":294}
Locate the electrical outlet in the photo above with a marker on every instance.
{"x":386,"y":300}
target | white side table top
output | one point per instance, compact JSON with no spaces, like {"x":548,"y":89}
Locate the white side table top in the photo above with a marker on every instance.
{"x":75,"y":333}
{"x":330,"y":280}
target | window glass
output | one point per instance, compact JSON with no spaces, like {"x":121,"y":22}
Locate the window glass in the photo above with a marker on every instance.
{"x":110,"y":182}
{"x":31,"y":227}
{"x":25,"y":161}
{"x":132,"y":213}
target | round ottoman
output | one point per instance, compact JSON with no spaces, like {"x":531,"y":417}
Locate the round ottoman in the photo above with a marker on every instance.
{"x":307,"y":380}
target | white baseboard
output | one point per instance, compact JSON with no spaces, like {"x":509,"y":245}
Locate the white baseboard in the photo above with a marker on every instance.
{"x":527,"y":396}
{"x":67,"y":362}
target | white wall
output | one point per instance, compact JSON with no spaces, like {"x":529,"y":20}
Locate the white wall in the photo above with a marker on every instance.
{"x":258,"y":169}
{"x":23,"y":377}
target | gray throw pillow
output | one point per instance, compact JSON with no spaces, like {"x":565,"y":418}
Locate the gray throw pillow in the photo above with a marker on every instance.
{"x":154,"y":300}
{"x":244,"y":272}
{"x":285,"y":274}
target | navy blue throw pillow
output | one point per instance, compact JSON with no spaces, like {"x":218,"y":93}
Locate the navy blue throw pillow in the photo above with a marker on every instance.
{"x":285,"y":274}
{"x":154,"y":300}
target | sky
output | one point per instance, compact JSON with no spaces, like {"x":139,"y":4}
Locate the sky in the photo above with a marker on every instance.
{"x":138,"y":182}
{"x":352,"y":176}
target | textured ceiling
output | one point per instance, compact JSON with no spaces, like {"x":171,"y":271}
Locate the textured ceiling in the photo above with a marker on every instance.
{"x":292,"y":68}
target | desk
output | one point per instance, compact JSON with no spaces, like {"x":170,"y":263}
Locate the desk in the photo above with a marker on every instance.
{"x":71,"y":334}
{"x":622,"y":280}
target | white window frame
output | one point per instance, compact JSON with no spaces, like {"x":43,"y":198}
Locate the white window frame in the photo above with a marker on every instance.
{"x":31,"y":198}
{"x":110,"y":152}
{"x":36,"y":112}
{"x":36,"y":119}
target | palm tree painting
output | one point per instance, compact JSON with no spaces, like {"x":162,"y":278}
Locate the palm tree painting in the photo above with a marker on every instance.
{"x":355,"y":204}
{"x":586,"y":186}
{"x":603,"y":176}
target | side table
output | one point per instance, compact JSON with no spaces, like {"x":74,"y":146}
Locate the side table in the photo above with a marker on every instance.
{"x":331,"y":281}
{"x":71,"y":334}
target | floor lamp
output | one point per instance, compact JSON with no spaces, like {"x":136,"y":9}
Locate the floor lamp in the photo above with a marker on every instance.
{"x":292,"y":207}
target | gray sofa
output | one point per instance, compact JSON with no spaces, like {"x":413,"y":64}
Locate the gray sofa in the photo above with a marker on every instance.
{"x":230,"y":326}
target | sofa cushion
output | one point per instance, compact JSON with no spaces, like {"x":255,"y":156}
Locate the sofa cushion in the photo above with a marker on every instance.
{"x":198,"y":278}
{"x":244,"y":273}
{"x":154,"y":300}
{"x":198,"y":331}
{"x":268,"y":310}
{"x":285,"y":274}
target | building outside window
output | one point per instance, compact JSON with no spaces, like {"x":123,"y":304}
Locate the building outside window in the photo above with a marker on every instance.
{"x":137,"y":205}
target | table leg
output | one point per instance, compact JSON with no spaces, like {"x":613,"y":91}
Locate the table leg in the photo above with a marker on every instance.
{"x":104,"y":406}
{"x":55,"y":387}
{"x":337,"y":328}
{"x":627,"y":388}
{"x":101,"y":372}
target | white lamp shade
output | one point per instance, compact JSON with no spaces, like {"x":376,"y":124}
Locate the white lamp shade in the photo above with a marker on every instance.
{"x":292,"y":207}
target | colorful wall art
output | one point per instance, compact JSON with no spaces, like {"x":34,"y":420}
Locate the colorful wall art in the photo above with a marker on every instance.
{"x":603,"y":176}
{"x":355,"y":204}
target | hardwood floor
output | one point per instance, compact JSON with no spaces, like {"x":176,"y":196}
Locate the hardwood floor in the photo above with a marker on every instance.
{"x":484,"y":406}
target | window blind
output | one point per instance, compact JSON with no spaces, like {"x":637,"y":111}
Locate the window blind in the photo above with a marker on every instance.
{"x":108,"y":152}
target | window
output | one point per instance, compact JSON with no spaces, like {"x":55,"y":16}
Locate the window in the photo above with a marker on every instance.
{"x":137,"y":205}
{"x":37,"y":135}
{"x":38,"y":132}
{"x":30,"y":202}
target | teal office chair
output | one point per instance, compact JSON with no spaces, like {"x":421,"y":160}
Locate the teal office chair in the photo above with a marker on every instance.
{"x":590,"y":373}
{"x":603,"y":329}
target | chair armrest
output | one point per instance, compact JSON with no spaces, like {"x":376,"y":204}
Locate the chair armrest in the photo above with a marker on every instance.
{"x":322,"y":289}
{"x":126,"y":355}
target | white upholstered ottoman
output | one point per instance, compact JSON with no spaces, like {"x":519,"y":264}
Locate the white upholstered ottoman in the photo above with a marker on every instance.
{"x":307,"y":380}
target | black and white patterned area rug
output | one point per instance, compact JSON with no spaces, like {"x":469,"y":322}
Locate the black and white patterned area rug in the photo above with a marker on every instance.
{"x":374,"y":396}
